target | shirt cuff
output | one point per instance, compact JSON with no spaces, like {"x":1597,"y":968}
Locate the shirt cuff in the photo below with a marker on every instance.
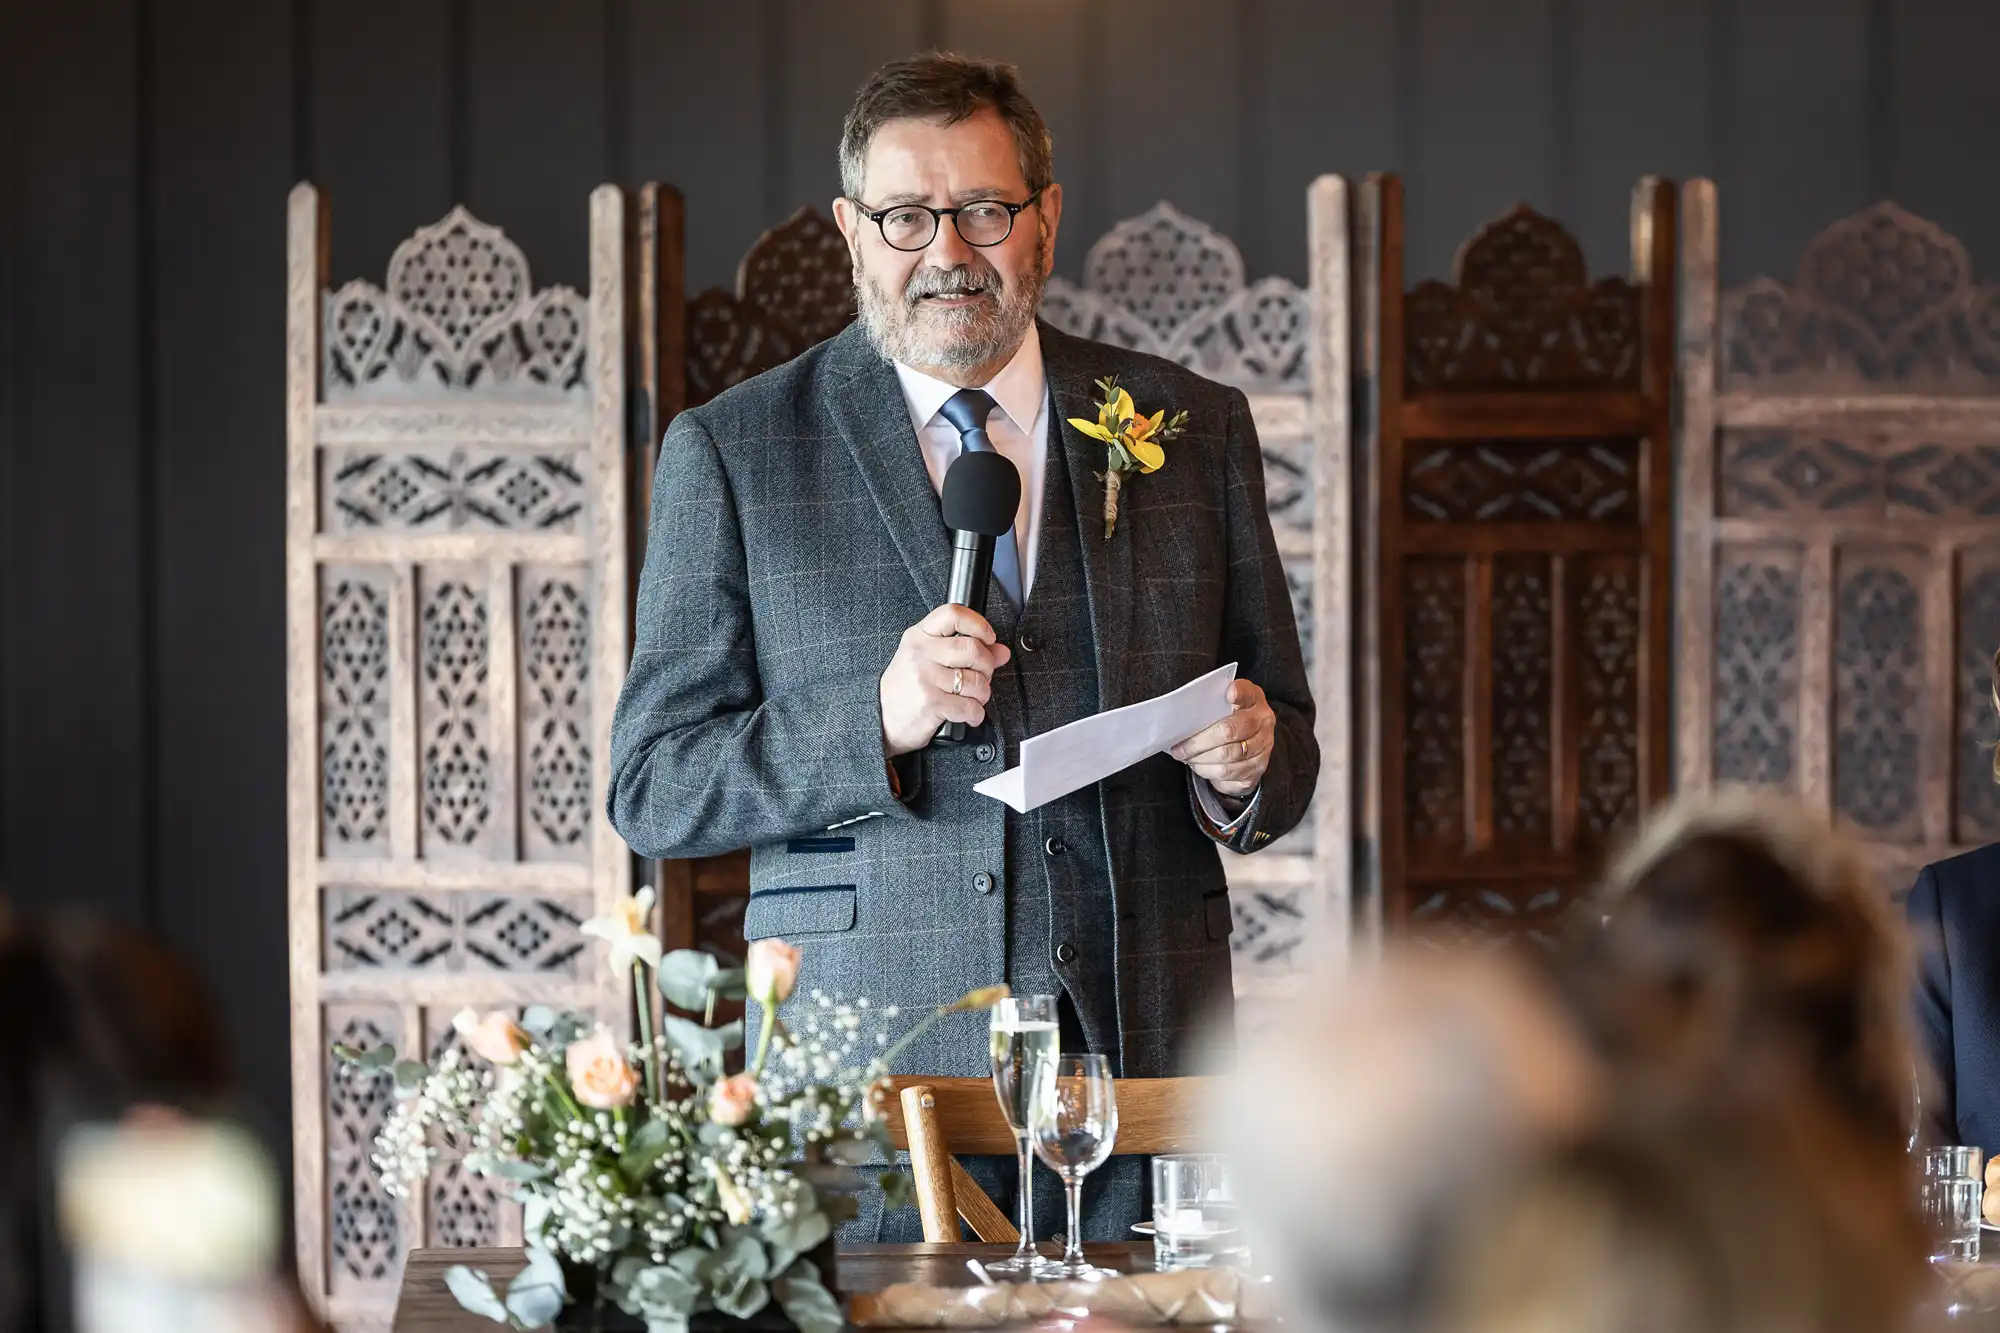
{"x":1221,"y":821}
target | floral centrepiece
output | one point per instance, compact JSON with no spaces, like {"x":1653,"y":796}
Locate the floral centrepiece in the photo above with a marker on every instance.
{"x":667,"y":1185}
{"x":1134,"y":441}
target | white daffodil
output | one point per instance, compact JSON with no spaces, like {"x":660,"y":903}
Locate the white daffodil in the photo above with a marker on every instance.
{"x":629,"y":932}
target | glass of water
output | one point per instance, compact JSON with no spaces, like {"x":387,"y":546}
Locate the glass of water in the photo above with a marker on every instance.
{"x":1952,"y":1186}
{"x":1194,"y":1212}
{"x":1024,"y":1042}
{"x":1074,"y":1122}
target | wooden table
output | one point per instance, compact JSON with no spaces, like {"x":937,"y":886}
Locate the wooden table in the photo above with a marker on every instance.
{"x":425,"y":1306}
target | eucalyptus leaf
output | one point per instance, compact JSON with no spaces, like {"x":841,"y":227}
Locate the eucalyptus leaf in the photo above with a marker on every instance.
{"x":474,"y":1292}
{"x":665,"y":1324}
{"x":741,"y":1299}
{"x":692,"y":1263}
{"x":410,"y":1075}
{"x":521,"y":1171}
{"x":799,"y":1232}
{"x":731,"y":1035}
{"x":538,"y":1019}
{"x":537,"y":1294}
{"x":806,"y":1301}
{"x":684,"y":976}
{"x":535,"y":1211}
{"x":644,"y":1150}
{"x":699,"y":1048}
{"x":895,"y":1190}
{"x":659,"y":1291}
{"x":729,"y":985}
{"x":741,"y":1254}
{"x":850,"y":1152}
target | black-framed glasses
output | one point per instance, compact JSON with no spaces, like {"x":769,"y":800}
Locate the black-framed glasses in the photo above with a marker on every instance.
{"x":982,"y":222}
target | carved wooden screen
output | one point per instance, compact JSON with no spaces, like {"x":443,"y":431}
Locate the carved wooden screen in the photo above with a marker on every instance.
{"x":1167,"y":284}
{"x":456,"y":636}
{"x":1518,"y":576}
{"x":1840,"y":560}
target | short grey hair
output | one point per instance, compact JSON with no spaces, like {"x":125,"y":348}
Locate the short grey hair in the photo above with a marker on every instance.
{"x":951,"y":88}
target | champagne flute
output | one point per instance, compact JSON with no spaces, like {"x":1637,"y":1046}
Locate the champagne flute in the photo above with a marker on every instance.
{"x":1024,"y":1042}
{"x":1074,"y":1122}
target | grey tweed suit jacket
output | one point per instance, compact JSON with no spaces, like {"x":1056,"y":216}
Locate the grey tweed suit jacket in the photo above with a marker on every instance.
{"x":794,"y":536}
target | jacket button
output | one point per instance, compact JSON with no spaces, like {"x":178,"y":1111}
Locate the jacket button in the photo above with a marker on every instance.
{"x":983,"y":753}
{"x":1029,"y":643}
{"x":1055,"y":846}
{"x":983,"y":882}
{"x":1065,"y":953}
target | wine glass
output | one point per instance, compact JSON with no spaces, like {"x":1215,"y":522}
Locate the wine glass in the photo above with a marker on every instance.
{"x":1024,"y":1042}
{"x":1074,"y":1122}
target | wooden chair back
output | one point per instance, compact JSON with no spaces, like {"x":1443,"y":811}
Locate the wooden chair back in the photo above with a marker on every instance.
{"x":935,"y":1118}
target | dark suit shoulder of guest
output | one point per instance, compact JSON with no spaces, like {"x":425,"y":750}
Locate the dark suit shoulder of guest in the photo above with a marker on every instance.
{"x":1954,"y":912}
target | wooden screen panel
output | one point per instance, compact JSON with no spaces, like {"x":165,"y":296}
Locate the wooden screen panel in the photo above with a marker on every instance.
{"x":456,"y":636}
{"x":1840,"y":469}
{"x":1519,"y":528}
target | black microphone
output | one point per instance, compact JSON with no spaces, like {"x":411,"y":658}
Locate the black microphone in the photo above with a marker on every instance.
{"x":982,"y":492}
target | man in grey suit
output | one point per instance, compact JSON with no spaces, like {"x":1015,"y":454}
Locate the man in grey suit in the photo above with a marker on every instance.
{"x":794,"y":657}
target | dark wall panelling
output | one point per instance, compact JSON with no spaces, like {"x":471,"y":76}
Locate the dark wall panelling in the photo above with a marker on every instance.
{"x":1171,"y":130}
{"x":829,"y":47}
{"x":1944,"y":109}
{"x":222,"y":146}
{"x":1485,"y":125}
{"x":695,"y":63}
{"x":1641,"y":107}
{"x":1793,"y":155}
{"x":78,"y":673}
{"x":535,"y":93}
{"x":380,"y":109}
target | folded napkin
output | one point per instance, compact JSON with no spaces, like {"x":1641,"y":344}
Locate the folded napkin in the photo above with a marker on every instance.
{"x":1193,"y":1296}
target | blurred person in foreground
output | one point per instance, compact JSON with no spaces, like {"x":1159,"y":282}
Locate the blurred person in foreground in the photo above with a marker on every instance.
{"x":122,"y":1205}
{"x":1359,"y":1125}
{"x":1954,"y":909}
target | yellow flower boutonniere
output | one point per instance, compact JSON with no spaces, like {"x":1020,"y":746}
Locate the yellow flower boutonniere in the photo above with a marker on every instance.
{"x":1134,"y":441}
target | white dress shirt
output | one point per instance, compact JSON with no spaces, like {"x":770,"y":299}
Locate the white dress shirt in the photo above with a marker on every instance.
{"x":1019,"y":429}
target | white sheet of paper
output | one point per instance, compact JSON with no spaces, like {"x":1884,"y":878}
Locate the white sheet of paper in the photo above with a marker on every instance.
{"x":1091,"y":749}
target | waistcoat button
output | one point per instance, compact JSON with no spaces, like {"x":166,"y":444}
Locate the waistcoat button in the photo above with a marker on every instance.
{"x":1055,"y":846}
{"x":983,"y":753}
{"x":1029,"y":643}
{"x":983,"y":882}
{"x":1065,"y":953}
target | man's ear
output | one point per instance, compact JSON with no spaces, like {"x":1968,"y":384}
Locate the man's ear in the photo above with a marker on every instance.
{"x":846,"y":217}
{"x":1050,"y":207}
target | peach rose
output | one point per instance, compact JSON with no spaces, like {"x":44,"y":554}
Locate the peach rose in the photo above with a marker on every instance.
{"x":731,"y":1101}
{"x":496,"y":1037}
{"x":599,"y":1073}
{"x":771,"y":971}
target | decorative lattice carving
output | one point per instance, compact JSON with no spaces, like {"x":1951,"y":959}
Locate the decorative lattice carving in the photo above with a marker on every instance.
{"x":1883,"y":300}
{"x":1977,"y":812}
{"x":1270,"y":926}
{"x":1516,"y":481}
{"x":366,"y":1226}
{"x":555,"y":713}
{"x":1757,"y":668}
{"x":796,"y":288}
{"x":458,"y":312}
{"x":354,"y":713}
{"x":1166,"y":284}
{"x":1878,"y":667}
{"x":1522,"y":671}
{"x":451,"y":490}
{"x":452,"y":931}
{"x":1521,"y":313}
{"x":1802,"y":473}
{"x":457,"y":767}
{"x":1608,"y":636}
{"x":1460,"y":915}
{"x":1434,"y":648}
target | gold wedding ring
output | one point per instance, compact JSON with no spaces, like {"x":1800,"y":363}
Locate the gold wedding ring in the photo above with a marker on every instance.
{"x":1244,"y":746}
{"x":957,"y":680}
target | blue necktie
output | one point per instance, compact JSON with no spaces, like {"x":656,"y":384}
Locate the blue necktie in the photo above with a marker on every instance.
{"x":967,"y":410}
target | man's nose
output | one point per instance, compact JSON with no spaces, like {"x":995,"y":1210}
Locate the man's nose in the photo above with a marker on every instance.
{"x":948,"y":249}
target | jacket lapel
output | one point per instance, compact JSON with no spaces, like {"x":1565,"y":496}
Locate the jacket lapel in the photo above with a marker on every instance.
{"x":1107,"y":565}
{"x":868,"y":408}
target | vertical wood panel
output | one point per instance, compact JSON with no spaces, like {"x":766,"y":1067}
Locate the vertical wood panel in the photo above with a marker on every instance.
{"x":1322,"y":105}
{"x":1946,"y":106}
{"x":223,"y":146}
{"x":696,"y":76}
{"x":1795,"y":147}
{"x":830,"y":47}
{"x":1485,"y":113}
{"x":13,"y":123}
{"x":536,"y":137}
{"x":381,"y":124}
{"x":73,"y":598}
{"x":1643,"y":79}
{"x":1173,"y":134}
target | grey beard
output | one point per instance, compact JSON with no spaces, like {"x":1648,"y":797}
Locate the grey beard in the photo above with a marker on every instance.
{"x":954,"y":339}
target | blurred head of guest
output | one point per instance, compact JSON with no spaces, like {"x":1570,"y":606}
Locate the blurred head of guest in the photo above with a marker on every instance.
{"x":950,"y":210}
{"x":96,"y":1022}
{"x":1721,"y":1221}
{"x":1360,"y":1124}
{"x":1747,"y":949}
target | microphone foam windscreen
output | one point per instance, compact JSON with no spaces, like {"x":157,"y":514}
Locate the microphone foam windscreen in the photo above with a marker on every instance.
{"x":982,"y":491}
